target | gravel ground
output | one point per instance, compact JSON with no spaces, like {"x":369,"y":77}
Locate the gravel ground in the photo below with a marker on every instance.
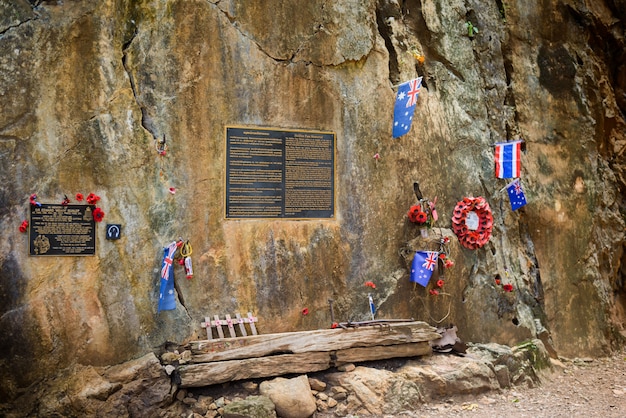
{"x":575,"y":388}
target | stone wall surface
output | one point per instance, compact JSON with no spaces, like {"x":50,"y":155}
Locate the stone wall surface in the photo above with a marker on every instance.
{"x":88,"y":89}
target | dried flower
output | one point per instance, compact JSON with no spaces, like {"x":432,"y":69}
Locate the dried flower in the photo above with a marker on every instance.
{"x":508,"y":287}
{"x":98,"y":215}
{"x":79,"y":197}
{"x":305,"y":311}
{"x":370,"y":284}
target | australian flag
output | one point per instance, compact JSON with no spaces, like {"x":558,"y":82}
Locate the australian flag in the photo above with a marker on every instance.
{"x":507,"y":156}
{"x":516,"y":194}
{"x":406,"y":99}
{"x":167,"y":295}
{"x":423,"y":266}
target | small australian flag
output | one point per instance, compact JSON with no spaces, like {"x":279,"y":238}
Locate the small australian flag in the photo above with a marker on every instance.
{"x":516,"y":194}
{"x":424,"y":263}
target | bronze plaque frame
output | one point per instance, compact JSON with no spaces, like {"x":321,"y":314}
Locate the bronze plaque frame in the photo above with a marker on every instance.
{"x":61,"y":230}
{"x":274,"y":173}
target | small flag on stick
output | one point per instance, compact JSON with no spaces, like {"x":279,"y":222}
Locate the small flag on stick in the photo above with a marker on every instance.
{"x":372,"y":307}
{"x":516,"y":194}
{"x":507,"y":158}
{"x":424,"y":263}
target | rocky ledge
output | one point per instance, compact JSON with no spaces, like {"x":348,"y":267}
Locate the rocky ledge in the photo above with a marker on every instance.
{"x":143,"y":387}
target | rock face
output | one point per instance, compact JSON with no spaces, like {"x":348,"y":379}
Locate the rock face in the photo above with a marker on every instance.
{"x":90,"y":88}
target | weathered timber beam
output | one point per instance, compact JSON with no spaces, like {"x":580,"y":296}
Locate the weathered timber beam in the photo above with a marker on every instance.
{"x":353,"y":355}
{"x":311,"y":341}
{"x":205,"y":374}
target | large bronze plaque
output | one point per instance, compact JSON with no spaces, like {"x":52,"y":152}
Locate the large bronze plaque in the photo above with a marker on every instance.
{"x":277,"y":173}
{"x":62,"y":230}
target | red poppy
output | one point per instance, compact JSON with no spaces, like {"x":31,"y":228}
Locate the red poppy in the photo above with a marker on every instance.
{"x":413,"y":212}
{"x":181,"y":261}
{"x":370,"y":284}
{"x":448,"y":263}
{"x":421,"y":217}
{"x":92,"y":198}
{"x":508,"y":287}
{"x":66,"y":201}
{"x":442,"y":256}
{"x":79,"y":197}
{"x":305,"y":311}
{"x":498,"y":281}
{"x":334,"y":325}
{"x":433,"y":292}
{"x":439,"y":283}
{"x":24,"y":226}
{"x":98,"y":215}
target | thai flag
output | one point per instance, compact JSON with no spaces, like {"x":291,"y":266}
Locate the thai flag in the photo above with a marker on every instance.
{"x":406,"y":99}
{"x":424,"y":263}
{"x":167,"y":295}
{"x":507,"y":158}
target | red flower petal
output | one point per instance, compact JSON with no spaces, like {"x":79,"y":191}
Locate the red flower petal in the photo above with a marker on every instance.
{"x":79,"y":197}
{"x":305,"y":311}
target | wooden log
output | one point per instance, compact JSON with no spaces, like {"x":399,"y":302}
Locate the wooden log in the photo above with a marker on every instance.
{"x":353,"y":355}
{"x":205,"y":374}
{"x":311,"y":341}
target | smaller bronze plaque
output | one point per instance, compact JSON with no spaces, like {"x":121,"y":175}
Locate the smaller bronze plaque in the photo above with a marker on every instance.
{"x":62,"y":230}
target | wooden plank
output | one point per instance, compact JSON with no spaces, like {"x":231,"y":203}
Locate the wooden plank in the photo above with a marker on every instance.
{"x":205,"y":374}
{"x":218,"y":326}
{"x":231,"y":328}
{"x":242,"y":327}
{"x":353,"y":355}
{"x":252,"y":320}
{"x":207,"y":325}
{"x":311,"y":341}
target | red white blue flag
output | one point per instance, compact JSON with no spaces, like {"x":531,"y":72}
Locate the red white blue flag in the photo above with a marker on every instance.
{"x":167,"y":294}
{"x":423,"y":265}
{"x":406,"y":99}
{"x":516,"y":194}
{"x":507,"y":157}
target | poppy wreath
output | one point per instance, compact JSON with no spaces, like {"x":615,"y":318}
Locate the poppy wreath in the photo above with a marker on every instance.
{"x":472,"y":239}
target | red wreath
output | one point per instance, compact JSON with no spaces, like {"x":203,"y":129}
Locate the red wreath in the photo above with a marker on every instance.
{"x":480,"y":236}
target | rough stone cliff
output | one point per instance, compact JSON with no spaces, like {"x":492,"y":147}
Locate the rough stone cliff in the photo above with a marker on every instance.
{"x":89,"y":88}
